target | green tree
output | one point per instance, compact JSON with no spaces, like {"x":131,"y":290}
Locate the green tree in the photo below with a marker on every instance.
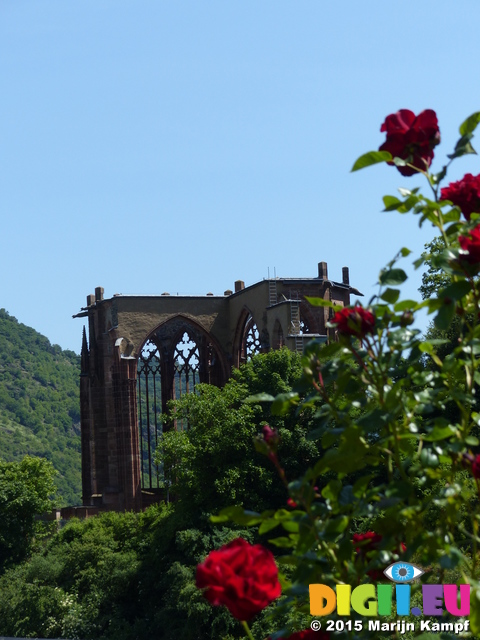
{"x":434,"y":282}
{"x":26,"y":491}
{"x":434,"y":278}
{"x":212,"y":463}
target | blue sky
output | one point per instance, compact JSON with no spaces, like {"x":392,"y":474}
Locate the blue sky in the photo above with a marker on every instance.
{"x":179,"y":146}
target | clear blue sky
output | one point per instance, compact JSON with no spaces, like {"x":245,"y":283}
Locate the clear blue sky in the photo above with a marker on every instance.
{"x":179,"y":146}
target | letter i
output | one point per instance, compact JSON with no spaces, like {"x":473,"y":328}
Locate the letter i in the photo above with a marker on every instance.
{"x":402,"y":595}
{"x":384,"y":597}
{"x":343,"y":599}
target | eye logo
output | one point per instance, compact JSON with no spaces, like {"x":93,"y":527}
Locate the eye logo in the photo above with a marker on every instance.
{"x":403,"y":572}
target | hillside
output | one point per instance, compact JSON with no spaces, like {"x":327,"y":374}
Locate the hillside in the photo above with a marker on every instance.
{"x":39,"y":403}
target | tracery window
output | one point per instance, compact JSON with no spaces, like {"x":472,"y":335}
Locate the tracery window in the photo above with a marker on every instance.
{"x":251,"y":339}
{"x":186,"y":362}
{"x":304,"y":328}
{"x":149,"y":411}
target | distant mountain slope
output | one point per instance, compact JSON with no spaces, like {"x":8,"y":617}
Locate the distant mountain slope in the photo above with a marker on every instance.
{"x":39,"y":403}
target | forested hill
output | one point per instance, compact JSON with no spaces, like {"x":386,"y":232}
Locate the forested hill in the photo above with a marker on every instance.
{"x":39,"y":403}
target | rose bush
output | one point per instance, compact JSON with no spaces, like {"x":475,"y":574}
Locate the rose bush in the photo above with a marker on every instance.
{"x":241,"y":576}
{"x":398,"y":424}
{"x":465,"y":194}
{"x":411,"y":138}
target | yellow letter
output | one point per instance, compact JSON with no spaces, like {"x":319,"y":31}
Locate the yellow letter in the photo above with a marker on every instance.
{"x":343,"y":599}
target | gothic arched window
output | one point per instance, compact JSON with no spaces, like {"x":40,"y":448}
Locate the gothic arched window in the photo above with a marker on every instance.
{"x":149,"y":411}
{"x":304,"y":328}
{"x":186,"y":362}
{"x":250,"y":340}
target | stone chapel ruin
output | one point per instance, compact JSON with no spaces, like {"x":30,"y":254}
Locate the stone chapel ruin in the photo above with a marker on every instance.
{"x":143,"y":351}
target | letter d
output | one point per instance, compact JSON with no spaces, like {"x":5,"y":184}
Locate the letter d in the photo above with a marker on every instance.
{"x":322,"y":599}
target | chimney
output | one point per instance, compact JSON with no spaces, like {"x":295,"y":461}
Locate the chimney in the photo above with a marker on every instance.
{"x":345,"y":276}
{"x":323,"y":270}
{"x":98,"y":294}
{"x":228,"y":292}
{"x":90,"y":300}
{"x":239,"y":285}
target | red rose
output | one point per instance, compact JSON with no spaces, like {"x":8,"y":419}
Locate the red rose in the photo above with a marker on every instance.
{"x":471,"y":244}
{"x":465,"y":194}
{"x":476,"y":467}
{"x":355,"y":321}
{"x":241,"y":576}
{"x":370,"y":540}
{"x":411,"y":138}
{"x":307,"y":634}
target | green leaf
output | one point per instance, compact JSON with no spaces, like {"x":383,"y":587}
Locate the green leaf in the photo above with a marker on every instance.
{"x":456,"y":290}
{"x":438,"y":177}
{"x":291,"y":526}
{"x":390,"y":295}
{"x":321,"y":302}
{"x":331,"y":490}
{"x":238,"y":515}
{"x":452,"y":216}
{"x":337,"y":525}
{"x":405,"y":252}
{"x":470,"y":124}
{"x":463,"y":147}
{"x":406,"y":305}
{"x":419,"y":262}
{"x":268,"y":525}
{"x":440,"y":433}
{"x":445,"y":315}
{"x":393,"y":276}
{"x":282,"y":542}
{"x":260,"y":397}
{"x":391,"y":203}
{"x":361,"y":485}
{"x":283,"y":403}
{"x":372,"y":157}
